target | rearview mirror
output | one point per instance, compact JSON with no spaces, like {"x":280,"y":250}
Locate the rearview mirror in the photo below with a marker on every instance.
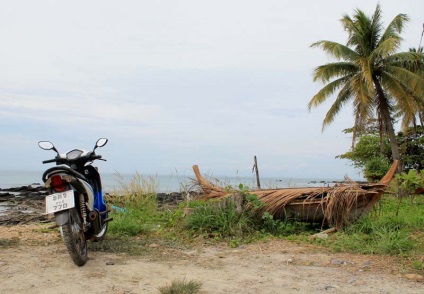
{"x":101,"y":142}
{"x":46,"y":145}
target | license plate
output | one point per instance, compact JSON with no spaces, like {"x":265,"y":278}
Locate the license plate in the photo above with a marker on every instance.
{"x":60,"y":201}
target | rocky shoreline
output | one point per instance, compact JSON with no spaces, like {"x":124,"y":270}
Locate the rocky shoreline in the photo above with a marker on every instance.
{"x":25,"y":204}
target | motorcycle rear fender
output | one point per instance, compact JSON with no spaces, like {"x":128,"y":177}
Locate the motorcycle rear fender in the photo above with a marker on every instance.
{"x":61,"y":217}
{"x":79,"y":186}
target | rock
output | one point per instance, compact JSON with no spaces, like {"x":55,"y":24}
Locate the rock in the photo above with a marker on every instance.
{"x":338,"y":262}
{"x":6,"y":195}
{"x":330,"y":287}
{"x":322,"y":236}
{"x":110,"y":262}
{"x":359,"y":283}
{"x":414,"y":277}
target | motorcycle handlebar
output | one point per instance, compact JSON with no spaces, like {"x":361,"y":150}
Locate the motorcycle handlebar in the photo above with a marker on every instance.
{"x":92,"y":157}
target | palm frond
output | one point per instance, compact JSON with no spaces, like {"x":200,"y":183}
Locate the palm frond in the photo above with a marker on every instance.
{"x":327,"y":91}
{"x":343,"y":97}
{"x":384,"y":49}
{"x":336,"y":50}
{"x":395,"y":27}
{"x":327,"y":72}
{"x":412,"y":81}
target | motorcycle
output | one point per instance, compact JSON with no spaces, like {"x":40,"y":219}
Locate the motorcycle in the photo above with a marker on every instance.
{"x":76,"y":198}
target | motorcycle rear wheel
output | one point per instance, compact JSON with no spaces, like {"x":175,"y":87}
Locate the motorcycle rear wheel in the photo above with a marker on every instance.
{"x":74,"y":238}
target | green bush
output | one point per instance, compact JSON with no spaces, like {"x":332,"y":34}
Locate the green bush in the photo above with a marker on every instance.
{"x":411,"y":181}
{"x":376,"y":168}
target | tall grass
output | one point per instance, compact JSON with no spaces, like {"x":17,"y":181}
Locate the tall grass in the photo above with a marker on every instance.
{"x":219,"y":220}
{"x":134,"y":205}
{"x":139,"y":192}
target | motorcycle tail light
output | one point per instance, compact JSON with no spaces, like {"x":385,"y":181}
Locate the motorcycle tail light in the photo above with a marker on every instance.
{"x":58,"y":184}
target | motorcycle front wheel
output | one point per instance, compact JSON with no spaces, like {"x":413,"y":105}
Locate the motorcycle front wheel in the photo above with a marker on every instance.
{"x":74,"y":238}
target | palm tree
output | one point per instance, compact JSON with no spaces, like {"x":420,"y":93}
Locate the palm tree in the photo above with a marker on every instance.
{"x":370,"y":72}
{"x":415,"y":109}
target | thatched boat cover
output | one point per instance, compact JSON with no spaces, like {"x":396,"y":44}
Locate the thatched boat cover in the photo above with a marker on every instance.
{"x":337,"y":205}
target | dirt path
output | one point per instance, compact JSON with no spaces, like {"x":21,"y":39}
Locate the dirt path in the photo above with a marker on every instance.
{"x":42,"y":265}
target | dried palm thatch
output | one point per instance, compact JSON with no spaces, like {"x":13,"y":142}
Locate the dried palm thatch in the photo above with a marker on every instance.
{"x":338,"y":205}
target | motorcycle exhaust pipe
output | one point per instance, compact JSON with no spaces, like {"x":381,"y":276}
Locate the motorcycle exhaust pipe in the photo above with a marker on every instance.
{"x":95,"y":221}
{"x":93,"y":215}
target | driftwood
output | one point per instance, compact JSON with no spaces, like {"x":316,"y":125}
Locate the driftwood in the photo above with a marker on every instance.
{"x":337,"y":206}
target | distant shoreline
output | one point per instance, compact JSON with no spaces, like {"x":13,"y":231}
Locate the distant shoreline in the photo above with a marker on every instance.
{"x":168,"y":184}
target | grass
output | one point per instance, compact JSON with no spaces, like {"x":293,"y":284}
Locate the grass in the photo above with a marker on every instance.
{"x":7,"y":243}
{"x":384,"y":232}
{"x":219,"y":220}
{"x":181,"y":287}
{"x":138,"y":221}
{"x":134,"y":207}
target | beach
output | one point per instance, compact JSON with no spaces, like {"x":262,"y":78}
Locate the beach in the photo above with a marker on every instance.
{"x":35,"y":261}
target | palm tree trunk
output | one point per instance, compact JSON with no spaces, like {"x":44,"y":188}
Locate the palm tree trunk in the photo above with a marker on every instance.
{"x":384,"y":110}
{"x":380,"y":132}
{"x":355,"y":127}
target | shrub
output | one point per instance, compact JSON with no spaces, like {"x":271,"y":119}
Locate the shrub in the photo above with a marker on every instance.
{"x":411,"y":181}
{"x":376,"y":168}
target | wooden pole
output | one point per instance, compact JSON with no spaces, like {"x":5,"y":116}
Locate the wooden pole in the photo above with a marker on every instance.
{"x":257,"y":173}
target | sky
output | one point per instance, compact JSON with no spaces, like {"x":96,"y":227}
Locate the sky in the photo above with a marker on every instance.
{"x":175,"y":83}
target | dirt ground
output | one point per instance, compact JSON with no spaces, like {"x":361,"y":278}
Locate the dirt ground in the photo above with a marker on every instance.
{"x":34,"y":260}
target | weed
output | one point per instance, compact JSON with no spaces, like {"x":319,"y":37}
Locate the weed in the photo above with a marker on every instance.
{"x":418,"y":264}
{"x":181,"y":287}
{"x":280,"y":228}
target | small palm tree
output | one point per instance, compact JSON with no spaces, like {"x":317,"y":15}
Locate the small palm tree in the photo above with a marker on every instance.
{"x":370,"y":72}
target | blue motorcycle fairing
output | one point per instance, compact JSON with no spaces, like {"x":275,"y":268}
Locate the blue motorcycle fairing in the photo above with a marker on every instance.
{"x":94,"y":178}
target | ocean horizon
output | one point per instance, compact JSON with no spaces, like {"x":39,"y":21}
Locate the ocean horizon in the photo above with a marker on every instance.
{"x":169,"y":183}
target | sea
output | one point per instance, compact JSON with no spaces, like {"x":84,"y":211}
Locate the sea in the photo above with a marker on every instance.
{"x":167,"y":183}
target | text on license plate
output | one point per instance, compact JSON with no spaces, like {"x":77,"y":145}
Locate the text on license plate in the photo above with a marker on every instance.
{"x":60,"y":201}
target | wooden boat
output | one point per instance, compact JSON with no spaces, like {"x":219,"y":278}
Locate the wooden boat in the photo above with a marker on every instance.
{"x":337,"y":206}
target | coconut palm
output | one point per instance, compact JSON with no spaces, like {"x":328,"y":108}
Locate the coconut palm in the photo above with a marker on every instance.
{"x":370,"y":72}
{"x":415,"y":109}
